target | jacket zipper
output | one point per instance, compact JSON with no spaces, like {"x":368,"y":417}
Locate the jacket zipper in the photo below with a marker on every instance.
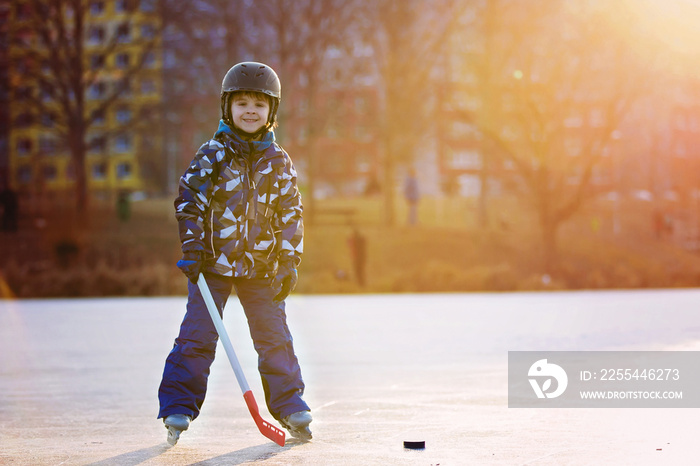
{"x":251,"y":199}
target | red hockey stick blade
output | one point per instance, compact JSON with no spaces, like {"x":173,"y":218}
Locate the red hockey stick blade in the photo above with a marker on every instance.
{"x":268,"y":430}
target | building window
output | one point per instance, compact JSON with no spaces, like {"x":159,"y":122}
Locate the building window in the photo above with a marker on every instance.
{"x":98,"y":116}
{"x":597,"y":118}
{"x":148,"y":6}
{"x":97,"y":90}
{"x":462,"y":130}
{"x":24,"y":37}
{"x":123,"y":33}
{"x":99,"y":171}
{"x":24,"y":174}
{"x":24,"y":146}
{"x":97,"y":8}
{"x":303,"y":80}
{"x":45,"y":92}
{"x":122,"y":6}
{"x":47,"y":120}
{"x":23,"y":93}
{"x":149,"y":60}
{"x":96,"y":35}
{"x":201,"y":84}
{"x":509,"y":133}
{"x":573,"y":121}
{"x":467,"y":160}
{"x":361,"y":105}
{"x":23,"y":65}
{"x":122,"y":60}
{"x":124,"y":171}
{"x":122,"y":143}
{"x":98,"y":144}
{"x":45,"y":95}
{"x":169,"y":58}
{"x":47,"y":145}
{"x":24,"y":120}
{"x":123,"y":115}
{"x":302,"y":135}
{"x":123,"y":87}
{"x":148,"y":86}
{"x":573,"y":146}
{"x":363,"y":133}
{"x":97,"y":61}
{"x":50,"y":173}
{"x":23,"y":12}
{"x":148,"y":31}
{"x":332,"y":130}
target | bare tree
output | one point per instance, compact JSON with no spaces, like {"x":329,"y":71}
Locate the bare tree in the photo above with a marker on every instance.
{"x":202,"y":39}
{"x":67,"y":84}
{"x":409,"y":39}
{"x":305,"y":37}
{"x":313,"y":45}
{"x":559,"y":83}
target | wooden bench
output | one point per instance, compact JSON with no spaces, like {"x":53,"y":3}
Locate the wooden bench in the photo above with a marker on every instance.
{"x":334,"y":216}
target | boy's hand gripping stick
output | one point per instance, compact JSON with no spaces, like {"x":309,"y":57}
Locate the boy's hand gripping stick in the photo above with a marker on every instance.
{"x":267,"y":429}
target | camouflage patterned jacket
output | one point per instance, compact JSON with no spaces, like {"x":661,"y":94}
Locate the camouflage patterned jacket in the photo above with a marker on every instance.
{"x":239,"y":203}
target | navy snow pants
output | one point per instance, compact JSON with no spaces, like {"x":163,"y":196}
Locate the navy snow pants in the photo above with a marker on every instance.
{"x":184,"y":383}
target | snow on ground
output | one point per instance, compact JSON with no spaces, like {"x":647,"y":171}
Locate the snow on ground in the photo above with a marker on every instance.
{"x":78,"y":381}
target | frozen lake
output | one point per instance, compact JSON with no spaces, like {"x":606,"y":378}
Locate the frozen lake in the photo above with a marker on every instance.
{"x":78,"y":381}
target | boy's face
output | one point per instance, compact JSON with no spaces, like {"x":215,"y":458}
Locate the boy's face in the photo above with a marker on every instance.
{"x":249,"y":113}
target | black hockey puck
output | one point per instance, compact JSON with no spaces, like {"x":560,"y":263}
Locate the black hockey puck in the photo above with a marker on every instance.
{"x":414,"y":445}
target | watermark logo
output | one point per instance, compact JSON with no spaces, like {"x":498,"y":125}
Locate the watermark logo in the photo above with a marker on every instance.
{"x":544,"y":371}
{"x":603,"y":379}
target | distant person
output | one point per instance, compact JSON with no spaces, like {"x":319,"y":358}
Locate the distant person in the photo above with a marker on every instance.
{"x":412,"y":196}
{"x":9,"y":206}
{"x":372,"y":188}
{"x":123,"y":207}
{"x":668,"y":225}
{"x":358,"y":255}
{"x":240,"y":217}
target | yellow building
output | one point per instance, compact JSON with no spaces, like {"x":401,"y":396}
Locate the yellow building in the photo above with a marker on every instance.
{"x":121,"y":87}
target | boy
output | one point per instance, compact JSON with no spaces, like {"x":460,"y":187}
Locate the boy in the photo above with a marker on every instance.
{"x":240,"y":220}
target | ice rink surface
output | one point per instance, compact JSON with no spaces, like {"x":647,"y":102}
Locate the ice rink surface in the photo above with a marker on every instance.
{"x":78,"y":381}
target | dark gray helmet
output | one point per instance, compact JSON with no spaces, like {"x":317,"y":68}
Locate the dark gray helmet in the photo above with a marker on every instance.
{"x":255,"y":77}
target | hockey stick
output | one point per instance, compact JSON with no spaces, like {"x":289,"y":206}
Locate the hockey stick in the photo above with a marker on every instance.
{"x":267,"y":429}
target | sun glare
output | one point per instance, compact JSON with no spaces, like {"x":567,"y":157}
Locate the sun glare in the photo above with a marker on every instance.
{"x":673,"y":25}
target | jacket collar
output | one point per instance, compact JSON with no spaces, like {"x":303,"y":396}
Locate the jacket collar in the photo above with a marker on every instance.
{"x":241,"y":146}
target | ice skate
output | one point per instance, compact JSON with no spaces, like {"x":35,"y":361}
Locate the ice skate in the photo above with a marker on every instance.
{"x":176,"y":423}
{"x":298,"y":425}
